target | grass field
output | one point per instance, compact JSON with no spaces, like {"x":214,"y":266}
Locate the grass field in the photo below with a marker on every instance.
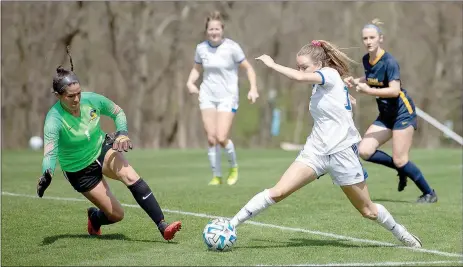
{"x":315,"y":226}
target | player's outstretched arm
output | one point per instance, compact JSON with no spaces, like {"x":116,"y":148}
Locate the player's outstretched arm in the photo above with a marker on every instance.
{"x":313,"y":78}
{"x":50,"y":153}
{"x":109,"y":108}
{"x":390,"y":92}
{"x":351,"y":82}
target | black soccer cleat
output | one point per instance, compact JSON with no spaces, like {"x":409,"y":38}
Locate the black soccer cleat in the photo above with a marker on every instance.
{"x":402,"y":182}
{"x":428,"y":198}
{"x":90,"y":228}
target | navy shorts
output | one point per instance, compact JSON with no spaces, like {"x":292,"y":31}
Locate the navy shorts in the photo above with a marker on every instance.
{"x":397,"y":123}
{"x":399,"y":117}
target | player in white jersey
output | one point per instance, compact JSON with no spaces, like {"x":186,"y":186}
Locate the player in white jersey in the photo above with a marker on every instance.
{"x":332,"y":145}
{"x":220,"y":58}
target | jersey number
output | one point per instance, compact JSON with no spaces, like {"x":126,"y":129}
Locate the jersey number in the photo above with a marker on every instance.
{"x":348,"y":105}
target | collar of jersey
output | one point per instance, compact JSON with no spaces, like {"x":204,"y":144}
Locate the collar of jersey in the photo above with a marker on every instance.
{"x":223,"y":41}
{"x":61,"y":107}
{"x":378,"y":57}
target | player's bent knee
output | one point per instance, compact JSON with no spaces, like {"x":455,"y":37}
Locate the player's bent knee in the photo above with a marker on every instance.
{"x":365,"y":155}
{"x":222,"y":140}
{"x":365,"y":152}
{"x":211,"y":140}
{"x":128,"y":175}
{"x":131,"y":179}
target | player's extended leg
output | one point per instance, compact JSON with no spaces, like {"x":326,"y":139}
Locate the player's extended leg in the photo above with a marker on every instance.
{"x":401,"y":142}
{"x":224,"y":124}
{"x":375,"y":137}
{"x":209,"y":117}
{"x":115,"y":166}
{"x":360,"y":199}
{"x":295,"y":177}
{"x":109,"y":209}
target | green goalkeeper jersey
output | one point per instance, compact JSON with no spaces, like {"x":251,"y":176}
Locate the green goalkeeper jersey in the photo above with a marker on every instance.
{"x":77,"y":141}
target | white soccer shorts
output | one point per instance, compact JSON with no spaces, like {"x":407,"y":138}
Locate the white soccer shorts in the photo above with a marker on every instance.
{"x":344,"y":166}
{"x":225,"y":105}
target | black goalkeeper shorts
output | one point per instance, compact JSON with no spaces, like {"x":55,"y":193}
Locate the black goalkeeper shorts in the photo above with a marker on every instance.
{"x":90,"y":176}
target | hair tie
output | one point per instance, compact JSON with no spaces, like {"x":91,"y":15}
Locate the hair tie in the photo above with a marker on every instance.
{"x":316,"y":43}
{"x":373,"y":26}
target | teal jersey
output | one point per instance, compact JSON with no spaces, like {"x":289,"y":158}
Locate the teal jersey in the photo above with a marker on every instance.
{"x":77,"y":141}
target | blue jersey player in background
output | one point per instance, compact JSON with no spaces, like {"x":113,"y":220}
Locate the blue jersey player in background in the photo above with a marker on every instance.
{"x":397,"y":116}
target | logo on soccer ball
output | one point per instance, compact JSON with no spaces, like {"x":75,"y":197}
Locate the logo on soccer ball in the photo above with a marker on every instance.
{"x":219,"y":235}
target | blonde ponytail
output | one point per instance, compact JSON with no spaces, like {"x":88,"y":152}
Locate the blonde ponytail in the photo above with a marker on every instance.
{"x":329,"y":55}
{"x":375,"y":24}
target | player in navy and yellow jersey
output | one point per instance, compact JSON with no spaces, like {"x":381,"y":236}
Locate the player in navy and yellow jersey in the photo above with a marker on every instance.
{"x":397,"y":116}
{"x":73,"y":135}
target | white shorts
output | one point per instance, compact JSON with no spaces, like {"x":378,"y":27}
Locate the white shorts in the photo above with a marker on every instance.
{"x":344,"y":166}
{"x":224,"y":105}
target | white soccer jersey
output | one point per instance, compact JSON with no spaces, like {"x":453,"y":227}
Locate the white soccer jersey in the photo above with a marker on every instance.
{"x":220,"y":65}
{"x":333,"y":128}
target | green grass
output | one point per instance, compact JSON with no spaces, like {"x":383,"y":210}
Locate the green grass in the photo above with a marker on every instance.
{"x":53,"y":232}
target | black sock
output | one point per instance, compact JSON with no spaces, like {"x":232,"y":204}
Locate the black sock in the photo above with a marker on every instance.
{"x":98,"y":218}
{"x":145,"y":198}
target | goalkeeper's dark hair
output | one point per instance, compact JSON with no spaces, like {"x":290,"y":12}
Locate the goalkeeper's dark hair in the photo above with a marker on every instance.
{"x":64,"y":77}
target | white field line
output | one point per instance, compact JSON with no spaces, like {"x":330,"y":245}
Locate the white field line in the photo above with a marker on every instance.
{"x":387,"y":263}
{"x":202,"y":215}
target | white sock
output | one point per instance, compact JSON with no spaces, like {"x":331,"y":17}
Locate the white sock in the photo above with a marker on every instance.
{"x":385,"y":219}
{"x":211,"y":153}
{"x":257,"y":204}
{"x":230,"y":148}
{"x":218,"y":161}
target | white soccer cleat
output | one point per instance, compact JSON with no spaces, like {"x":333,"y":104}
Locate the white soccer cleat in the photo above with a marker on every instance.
{"x":407,"y":238}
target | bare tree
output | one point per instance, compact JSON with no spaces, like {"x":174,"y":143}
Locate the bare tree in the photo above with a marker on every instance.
{"x":140,"y":53}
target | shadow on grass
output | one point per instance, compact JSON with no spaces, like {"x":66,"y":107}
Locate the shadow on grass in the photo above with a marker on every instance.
{"x":392,"y":200}
{"x":304,"y":242}
{"x":52,"y":239}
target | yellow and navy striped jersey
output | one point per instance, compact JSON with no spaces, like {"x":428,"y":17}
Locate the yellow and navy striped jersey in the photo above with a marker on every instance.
{"x":379,"y":72}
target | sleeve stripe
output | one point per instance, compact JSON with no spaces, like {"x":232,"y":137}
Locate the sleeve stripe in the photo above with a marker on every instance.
{"x":323,"y":77}
{"x":116,"y":109}
{"x":241,"y":60}
{"x":48,"y":148}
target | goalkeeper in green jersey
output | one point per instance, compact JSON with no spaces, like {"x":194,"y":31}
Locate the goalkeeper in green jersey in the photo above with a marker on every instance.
{"x":73,"y":135}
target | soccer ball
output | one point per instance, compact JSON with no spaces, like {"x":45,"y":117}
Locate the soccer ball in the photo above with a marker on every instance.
{"x":219,"y":235}
{"x":35,"y":142}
